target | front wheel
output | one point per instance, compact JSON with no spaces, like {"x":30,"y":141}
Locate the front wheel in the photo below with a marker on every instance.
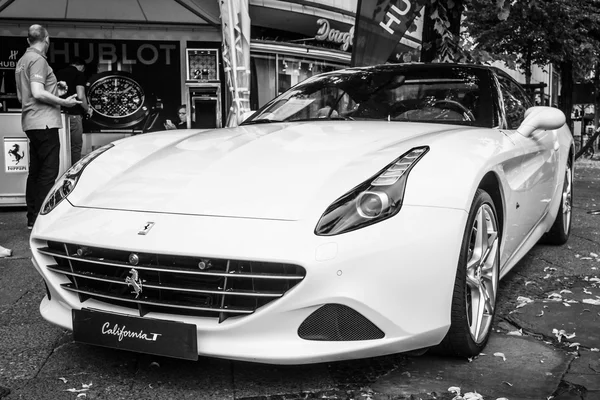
{"x":476,"y":283}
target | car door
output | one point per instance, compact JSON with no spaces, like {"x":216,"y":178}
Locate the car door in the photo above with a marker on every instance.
{"x":539,"y":177}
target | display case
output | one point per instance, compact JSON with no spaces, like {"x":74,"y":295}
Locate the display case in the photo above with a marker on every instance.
{"x":203,"y":89}
{"x":202,"y":65}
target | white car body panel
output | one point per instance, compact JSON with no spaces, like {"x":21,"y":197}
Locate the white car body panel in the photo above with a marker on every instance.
{"x":315,"y":177}
{"x":322,"y":161}
{"x":336,"y":272}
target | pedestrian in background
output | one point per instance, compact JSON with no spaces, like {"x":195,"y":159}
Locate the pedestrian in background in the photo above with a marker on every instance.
{"x":75,"y":79}
{"x":39,"y":91}
{"x":181,"y":119}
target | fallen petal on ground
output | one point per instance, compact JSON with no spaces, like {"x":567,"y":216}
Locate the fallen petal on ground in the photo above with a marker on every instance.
{"x":454,"y":389}
{"x":523,"y":301}
{"x":595,"y":302}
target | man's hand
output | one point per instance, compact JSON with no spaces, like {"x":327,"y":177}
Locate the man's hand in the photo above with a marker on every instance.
{"x":89,"y":112}
{"x":62,"y":88}
{"x":71,"y":101}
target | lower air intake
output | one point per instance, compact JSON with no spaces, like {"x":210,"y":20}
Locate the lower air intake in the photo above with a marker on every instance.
{"x":336,"y":322}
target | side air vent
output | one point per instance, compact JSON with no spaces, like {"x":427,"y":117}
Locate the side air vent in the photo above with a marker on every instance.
{"x":336,"y":322}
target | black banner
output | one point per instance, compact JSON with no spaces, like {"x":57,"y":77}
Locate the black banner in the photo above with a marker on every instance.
{"x":380,"y":24}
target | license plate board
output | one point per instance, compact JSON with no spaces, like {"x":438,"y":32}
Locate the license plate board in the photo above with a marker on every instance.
{"x":142,"y":335}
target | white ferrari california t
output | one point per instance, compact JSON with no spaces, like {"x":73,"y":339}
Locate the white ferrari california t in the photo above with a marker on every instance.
{"x":363,"y":212}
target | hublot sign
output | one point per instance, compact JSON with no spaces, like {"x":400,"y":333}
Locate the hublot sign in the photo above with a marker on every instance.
{"x":126,"y":53}
{"x":8,"y":59}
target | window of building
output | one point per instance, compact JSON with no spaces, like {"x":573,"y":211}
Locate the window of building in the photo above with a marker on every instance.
{"x":273,"y":74}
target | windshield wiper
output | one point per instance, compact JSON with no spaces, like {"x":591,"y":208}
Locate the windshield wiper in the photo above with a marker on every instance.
{"x":324,"y":119}
{"x":260,"y":121}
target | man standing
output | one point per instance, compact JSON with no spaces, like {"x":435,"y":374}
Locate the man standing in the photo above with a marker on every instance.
{"x":75,"y":80}
{"x":38,"y":91}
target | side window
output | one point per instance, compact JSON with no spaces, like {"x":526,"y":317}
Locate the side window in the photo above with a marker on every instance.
{"x":515,"y":101}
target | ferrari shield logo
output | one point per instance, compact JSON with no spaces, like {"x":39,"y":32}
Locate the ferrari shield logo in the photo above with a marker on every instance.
{"x":146,"y":228}
{"x":16,"y":155}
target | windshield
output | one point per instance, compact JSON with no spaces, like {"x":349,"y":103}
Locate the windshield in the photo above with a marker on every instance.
{"x":453,"y":95}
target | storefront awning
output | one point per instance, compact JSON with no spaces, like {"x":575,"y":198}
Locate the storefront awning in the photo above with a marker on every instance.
{"x":197,"y":12}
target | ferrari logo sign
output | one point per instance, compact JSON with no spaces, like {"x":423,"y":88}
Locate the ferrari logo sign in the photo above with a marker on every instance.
{"x":16,"y":155}
{"x":146,"y":228}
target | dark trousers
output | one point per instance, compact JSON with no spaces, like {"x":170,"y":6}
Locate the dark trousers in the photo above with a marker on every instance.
{"x":76,"y":129}
{"x":44,"y":161}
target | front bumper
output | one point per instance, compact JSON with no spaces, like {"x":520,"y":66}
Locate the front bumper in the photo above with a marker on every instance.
{"x":399,"y":274}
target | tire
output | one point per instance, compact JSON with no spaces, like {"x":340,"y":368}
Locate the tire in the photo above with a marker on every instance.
{"x":561,"y":228}
{"x":476,"y":283}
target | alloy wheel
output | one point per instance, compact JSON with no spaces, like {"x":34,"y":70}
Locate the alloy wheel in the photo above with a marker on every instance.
{"x":567,"y":197}
{"x":482,"y":273}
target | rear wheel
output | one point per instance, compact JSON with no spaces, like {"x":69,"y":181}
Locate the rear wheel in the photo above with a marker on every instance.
{"x":476,"y":284}
{"x":561,"y":228}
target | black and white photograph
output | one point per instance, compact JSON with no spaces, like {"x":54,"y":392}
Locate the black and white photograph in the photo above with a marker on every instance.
{"x":300,"y":199}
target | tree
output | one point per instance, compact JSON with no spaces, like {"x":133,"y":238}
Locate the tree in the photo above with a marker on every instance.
{"x":445,"y":39}
{"x":561,"y":32}
{"x":521,"y":33}
{"x":441,"y":30}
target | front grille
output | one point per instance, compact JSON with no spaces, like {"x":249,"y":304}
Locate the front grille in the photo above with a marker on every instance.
{"x":169,"y":283}
{"x":337,"y":322}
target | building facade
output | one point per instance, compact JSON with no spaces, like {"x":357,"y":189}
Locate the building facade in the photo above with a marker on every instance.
{"x":170,"y":52}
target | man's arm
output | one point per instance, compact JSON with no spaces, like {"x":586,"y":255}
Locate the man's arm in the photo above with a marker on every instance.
{"x":39,"y":92}
{"x":18,"y":82}
{"x":81,"y":95}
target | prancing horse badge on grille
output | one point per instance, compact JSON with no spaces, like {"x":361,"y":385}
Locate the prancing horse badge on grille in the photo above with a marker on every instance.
{"x":135,"y":282}
{"x":146,"y":228}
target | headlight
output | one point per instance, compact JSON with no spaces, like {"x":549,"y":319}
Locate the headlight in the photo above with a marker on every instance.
{"x":66,"y":183}
{"x":378,"y":198}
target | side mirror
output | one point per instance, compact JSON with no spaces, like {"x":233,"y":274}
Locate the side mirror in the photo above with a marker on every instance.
{"x":246,"y":115}
{"x":541,"y":117}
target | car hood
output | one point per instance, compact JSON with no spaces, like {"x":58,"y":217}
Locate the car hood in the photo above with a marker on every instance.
{"x":278,"y":171}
